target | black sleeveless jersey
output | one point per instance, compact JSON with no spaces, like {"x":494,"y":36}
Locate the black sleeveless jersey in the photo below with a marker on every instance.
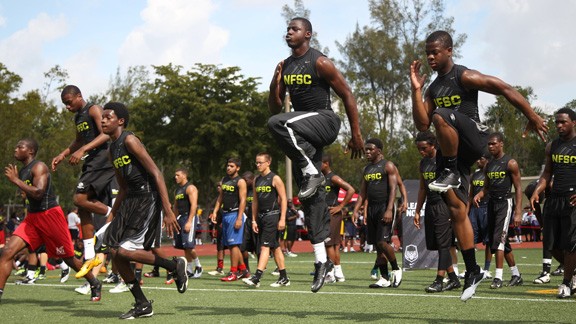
{"x":131,"y":170}
{"x":249,"y":200}
{"x":86,"y":127}
{"x":230,"y":195}
{"x":428,"y":172}
{"x":267,"y":194}
{"x":47,"y":201}
{"x":332,"y":190}
{"x":308,"y":92}
{"x":499,"y":177}
{"x":477,"y":182}
{"x":376,"y":182}
{"x":182,"y":199}
{"x":447,"y":92}
{"x":563,"y":155}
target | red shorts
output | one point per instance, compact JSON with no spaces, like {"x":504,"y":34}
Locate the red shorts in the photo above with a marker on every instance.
{"x":2,"y":237}
{"x":49,"y":227}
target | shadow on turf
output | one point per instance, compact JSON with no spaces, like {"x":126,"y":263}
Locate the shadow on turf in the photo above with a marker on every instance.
{"x":226,"y":313}
{"x":61,"y":305}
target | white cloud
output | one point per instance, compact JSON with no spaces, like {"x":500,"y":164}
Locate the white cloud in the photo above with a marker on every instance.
{"x":178,"y":32}
{"x":22,"y":52}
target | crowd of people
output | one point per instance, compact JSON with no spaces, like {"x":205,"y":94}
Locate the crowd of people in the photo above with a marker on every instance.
{"x":121,"y":184}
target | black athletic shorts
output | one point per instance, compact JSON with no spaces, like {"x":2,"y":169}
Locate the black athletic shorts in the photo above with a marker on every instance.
{"x":378,"y":231}
{"x":437,"y":226}
{"x":268,"y":234}
{"x":289,"y":234}
{"x":560,"y":224}
{"x":335,"y":229}
{"x":499,"y":215}
{"x":249,"y":237}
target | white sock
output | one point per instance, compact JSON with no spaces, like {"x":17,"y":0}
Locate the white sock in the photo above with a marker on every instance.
{"x":338,"y":271}
{"x":547,"y":261}
{"x":89,"y":252}
{"x":30,"y":274}
{"x":64,"y":266}
{"x":455,"y":267}
{"x":309,"y":169}
{"x":320,"y":252}
{"x":515,"y":271}
{"x":499,"y":272}
{"x":197,"y":262}
{"x":189,"y":267}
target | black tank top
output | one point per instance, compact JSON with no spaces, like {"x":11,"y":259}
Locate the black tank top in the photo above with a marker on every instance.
{"x":86,"y":127}
{"x":447,"y":92}
{"x":249,"y":200}
{"x":477,"y":182}
{"x":376,"y":182}
{"x":332,"y":190}
{"x":47,"y":201}
{"x":308,"y":92}
{"x":428,"y":172}
{"x":230,"y":195}
{"x":267,"y":194}
{"x":182,"y":199}
{"x":563,"y":156}
{"x":499,"y":177}
{"x":131,"y":170}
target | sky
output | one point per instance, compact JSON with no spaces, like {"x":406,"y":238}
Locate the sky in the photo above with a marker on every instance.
{"x":523,"y":42}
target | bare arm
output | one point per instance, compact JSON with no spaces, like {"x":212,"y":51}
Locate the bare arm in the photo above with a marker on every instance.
{"x":282,"y":200}
{"x":420,"y":201}
{"x":39,"y":185}
{"x":335,"y":79}
{"x":349,"y":193}
{"x":277,"y":91}
{"x":422,"y":106}
{"x":192,"y":193}
{"x":242,"y":193}
{"x":545,"y":177}
{"x":516,"y":182}
{"x":392,"y":185}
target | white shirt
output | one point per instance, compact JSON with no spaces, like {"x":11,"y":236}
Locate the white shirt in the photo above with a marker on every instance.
{"x":73,"y":219}
{"x":300,"y":219}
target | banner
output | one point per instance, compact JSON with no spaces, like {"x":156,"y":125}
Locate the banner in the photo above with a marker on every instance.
{"x":415,"y":255}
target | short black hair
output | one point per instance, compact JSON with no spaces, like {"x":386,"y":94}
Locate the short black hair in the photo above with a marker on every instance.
{"x":183,"y":170}
{"x":306,"y":22}
{"x":70,"y":89}
{"x":376,"y":141}
{"x":441,"y":36}
{"x":426,"y":136}
{"x":497,"y":135}
{"x":31,"y":143}
{"x":235,"y":160}
{"x":327,"y":158}
{"x":567,"y":111}
{"x":120,"y":110}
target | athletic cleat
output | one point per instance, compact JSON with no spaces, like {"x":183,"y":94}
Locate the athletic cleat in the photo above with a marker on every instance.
{"x":559,"y":271}
{"x":87,"y":266}
{"x":487,"y":274}
{"x":543,"y":278}
{"x":446,"y":181}
{"x":180,"y":276}
{"x":96,"y":291}
{"x":282,"y":282}
{"x":462,"y":275}
{"x":244,"y":274}
{"x":563,"y":291}
{"x":119,"y":288}
{"x":310,"y":185}
{"x":381,"y":283}
{"x":276,"y":272}
{"x":64,"y":275}
{"x":396,"y":278}
{"x":329,"y":278}
{"x":252,"y":281}
{"x":230,"y":277}
{"x":516,"y":281}
{"x":291,"y":255}
{"x":573,"y":285}
{"x":112,"y":278}
{"x":26,"y":281}
{"x":320,"y":271}
{"x":197,"y":273}
{"x":41,"y":277}
{"x":496,"y":283}
{"x":374,"y":274}
{"x":20,"y":272}
{"x":152,"y":274}
{"x":340,"y":279}
{"x":471,"y":281}
{"x":84,"y":289}
{"x":139,"y":310}
{"x":217,"y":272}
{"x":452,"y":284}
{"x":435,"y":287}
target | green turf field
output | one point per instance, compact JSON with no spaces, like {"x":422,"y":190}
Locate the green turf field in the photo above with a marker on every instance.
{"x":210,"y":301}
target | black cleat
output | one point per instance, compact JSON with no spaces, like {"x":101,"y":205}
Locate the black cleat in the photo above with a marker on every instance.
{"x":180,"y":274}
{"x":434,"y":287}
{"x":496,"y":283}
{"x":446,"y":181}
{"x":320,"y":271}
{"x":139,"y":310}
{"x":516,"y":281}
{"x":452,"y":284}
{"x":471,"y":282}
{"x":559,"y":271}
{"x":310,"y":185}
{"x":96,"y":292}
